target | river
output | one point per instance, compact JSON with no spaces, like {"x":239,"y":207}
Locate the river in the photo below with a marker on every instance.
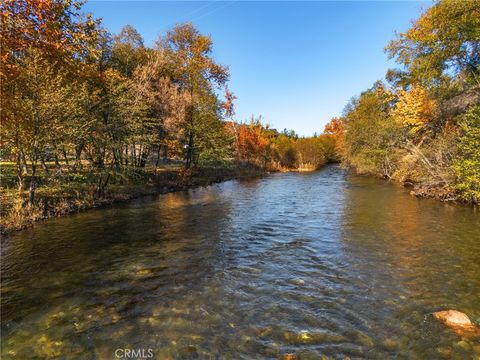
{"x":311,"y":264}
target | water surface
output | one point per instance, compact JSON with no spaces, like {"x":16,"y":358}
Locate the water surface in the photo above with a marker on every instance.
{"x":312,"y":264}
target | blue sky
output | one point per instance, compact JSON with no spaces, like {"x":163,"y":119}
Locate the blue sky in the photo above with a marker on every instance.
{"x":294,"y":63}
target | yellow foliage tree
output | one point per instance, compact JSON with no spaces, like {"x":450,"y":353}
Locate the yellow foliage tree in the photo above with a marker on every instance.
{"x":415,"y":109}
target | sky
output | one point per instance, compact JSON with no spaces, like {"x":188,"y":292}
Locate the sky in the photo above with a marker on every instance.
{"x":295,"y":63}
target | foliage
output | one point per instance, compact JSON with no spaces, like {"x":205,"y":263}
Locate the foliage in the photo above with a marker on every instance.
{"x":444,"y":41}
{"x":193,"y":70}
{"x":414,"y":109}
{"x":252,"y":143}
{"x":370,"y":135}
{"x":409,"y":131}
{"x":336,"y":129}
{"x":467,"y":163}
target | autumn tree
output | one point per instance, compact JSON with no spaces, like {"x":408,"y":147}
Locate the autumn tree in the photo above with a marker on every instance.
{"x":43,"y":46}
{"x":416,"y":110}
{"x":128,"y":51}
{"x":165,"y":105}
{"x":253,"y":145}
{"x":444,"y":41}
{"x":310,"y":152}
{"x":370,"y":134}
{"x":336,"y":128}
{"x":193,"y":69}
{"x":284,"y":149}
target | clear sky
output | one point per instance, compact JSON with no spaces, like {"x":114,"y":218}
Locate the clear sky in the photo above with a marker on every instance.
{"x":294,"y":63}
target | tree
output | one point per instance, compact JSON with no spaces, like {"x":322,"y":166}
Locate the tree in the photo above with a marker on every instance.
{"x":284,"y":148}
{"x":128,"y":51}
{"x":370,"y":133}
{"x":44,"y":43}
{"x":165,"y":107}
{"x":56,"y":29}
{"x":336,"y":129}
{"x":310,"y":152}
{"x":193,"y":69}
{"x":328,"y":144}
{"x":415,"y":109}
{"x":444,"y":41}
{"x":252,"y":145}
{"x":37,"y":113}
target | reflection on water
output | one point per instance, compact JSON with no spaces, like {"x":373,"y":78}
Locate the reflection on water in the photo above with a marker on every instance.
{"x":310,"y":264}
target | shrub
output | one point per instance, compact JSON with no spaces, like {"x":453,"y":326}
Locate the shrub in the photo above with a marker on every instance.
{"x":467,"y":163}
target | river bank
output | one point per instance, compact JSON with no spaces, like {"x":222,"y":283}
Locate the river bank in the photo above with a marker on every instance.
{"x":440,"y":191}
{"x":55,"y":200}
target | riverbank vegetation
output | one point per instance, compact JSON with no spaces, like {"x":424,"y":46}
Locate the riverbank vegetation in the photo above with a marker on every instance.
{"x":422,"y":126}
{"x":89,"y":117}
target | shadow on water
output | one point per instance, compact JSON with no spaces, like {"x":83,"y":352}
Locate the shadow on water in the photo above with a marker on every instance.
{"x":312,"y":263}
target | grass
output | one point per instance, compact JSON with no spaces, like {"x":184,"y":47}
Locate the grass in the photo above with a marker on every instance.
{"x":62,"y":190}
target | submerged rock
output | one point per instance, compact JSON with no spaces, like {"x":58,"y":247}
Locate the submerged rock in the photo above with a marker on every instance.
{"x":188,"y":352}
{"x":288,"y":356}
{"x":459,"y":322}
{"x":364,"y":339}
{"x":389,"y":344}
{"x":453,"y":318}
{"x":463,"y":345}
{"x":299,"y":282}
{"x":306,"y":337}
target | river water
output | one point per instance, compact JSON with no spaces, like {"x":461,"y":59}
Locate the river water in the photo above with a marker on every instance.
{"x":310,"y":264}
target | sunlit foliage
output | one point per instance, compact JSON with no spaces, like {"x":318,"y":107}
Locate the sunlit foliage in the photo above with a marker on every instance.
{"x":424,"y":129}
{"x":467,"y":163}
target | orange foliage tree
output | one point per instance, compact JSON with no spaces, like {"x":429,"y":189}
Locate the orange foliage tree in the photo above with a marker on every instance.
{"x":251,"y":142}
{"x":336,"y":128}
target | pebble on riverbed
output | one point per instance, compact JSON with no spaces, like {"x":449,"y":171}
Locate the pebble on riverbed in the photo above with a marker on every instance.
{"x":389,"y":344}
{"x":298,"y":282}
{"x":459,"y":322}
{"x":288,"y":357}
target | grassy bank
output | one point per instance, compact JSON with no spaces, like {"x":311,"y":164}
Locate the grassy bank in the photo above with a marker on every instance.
{"x":62,"y":191}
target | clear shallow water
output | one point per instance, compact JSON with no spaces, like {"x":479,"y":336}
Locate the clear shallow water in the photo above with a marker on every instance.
{"x":310,"y":264}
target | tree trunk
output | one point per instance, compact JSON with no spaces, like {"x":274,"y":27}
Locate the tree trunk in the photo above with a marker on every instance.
{"x":102,"y":184}
{"x":117,"y":159}
{"x":65,"y":157}
{"x":158,"y":155}
{"x":33,"y":178}
{"x":20,"y":172}
{"x":134,"y":155}
{"x":57,"y":162}
{"x":144,"y":156}
{"x":44,"y":165}
{"x":23,"y":162}
{"x":78,"y":154}
{"x":189,"y":155}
